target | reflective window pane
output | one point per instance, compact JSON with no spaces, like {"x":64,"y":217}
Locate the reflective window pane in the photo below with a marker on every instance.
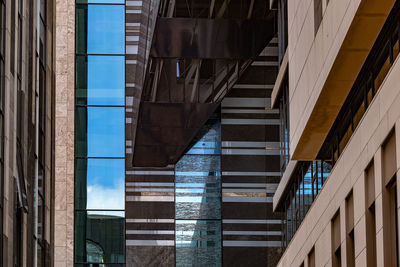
{"x":100,"y":80}
{"x":100,"y":1}
{"x":100,"y":29}
{"x":198,"y":243}
{"x":99,"y":236}
{"x":99,"y":184}
{"x":100,"y":132}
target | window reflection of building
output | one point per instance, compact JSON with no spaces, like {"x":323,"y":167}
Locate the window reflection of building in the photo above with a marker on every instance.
{"x":99,"y":133}
{"x":198,"y":199}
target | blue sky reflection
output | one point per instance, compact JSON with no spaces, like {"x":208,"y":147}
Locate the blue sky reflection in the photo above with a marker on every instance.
{"x":105,"y":184}
{"x":106,"y":131}
{"x":106,"y":29}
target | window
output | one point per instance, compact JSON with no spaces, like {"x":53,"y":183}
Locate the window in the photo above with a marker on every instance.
{"x":350,"y":253}
{"x":391,"y":222}
{"x":198,"y":199}
{"x":336,"y":242}
{"x":284,"y":125}
{"x":100,"y":133}
{"x":389,"y":197}
{"x":100,"y":80}
{"x":317,"y":14}
{"x":101,"y":29}
{"x":370,"y":215}
{"x":370,"y":79}
{"x":308,"y":180}
{"x":311,"y":258}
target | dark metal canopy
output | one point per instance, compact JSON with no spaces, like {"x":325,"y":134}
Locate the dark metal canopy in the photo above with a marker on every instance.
{"x":211,"y":38}
{"x":199,"y":50}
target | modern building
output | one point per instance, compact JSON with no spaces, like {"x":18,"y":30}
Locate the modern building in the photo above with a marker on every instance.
{"x":177,"y":154}
{"x":338,"y":94}
{"x":199,"y":133}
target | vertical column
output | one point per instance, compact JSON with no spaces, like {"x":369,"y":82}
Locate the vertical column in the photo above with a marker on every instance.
{"x":64,"y":27}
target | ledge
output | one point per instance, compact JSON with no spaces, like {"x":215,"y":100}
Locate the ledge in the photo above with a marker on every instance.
{"x":278,"y":83}
{"x":320,"y":115}
{"x":283,"y":184}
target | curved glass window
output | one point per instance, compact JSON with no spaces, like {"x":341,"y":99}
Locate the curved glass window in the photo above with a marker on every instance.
{"x":100,"y":29}
{"x":100,"y":80}
{"x":101,"y":184}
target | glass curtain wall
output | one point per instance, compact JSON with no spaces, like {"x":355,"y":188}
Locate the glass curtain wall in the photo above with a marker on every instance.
{"x":100,"y":133}
{"x":198,"y":199}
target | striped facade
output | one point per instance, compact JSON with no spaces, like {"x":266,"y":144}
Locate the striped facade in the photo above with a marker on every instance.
{"x":149,"y":197}
{"x":250,"y":235}
{"x":250,"y":166}
{"x":150,"y":217}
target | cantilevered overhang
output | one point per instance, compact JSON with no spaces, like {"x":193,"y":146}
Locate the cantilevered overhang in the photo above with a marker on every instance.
{"x":211,"y":38}
{"x":194,"y":61}
{"x":361,"y":35}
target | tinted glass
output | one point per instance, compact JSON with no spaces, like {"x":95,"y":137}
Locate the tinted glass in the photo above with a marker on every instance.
{"x":99,"y":184}
{"x":100,"y":132}
{"x":100,"y":1}
{"x":99,"y":236}
{"x":198,"y":243}
{"x":100,"y":29}
{"x":105,"y":132}
{"x":100,"y":80}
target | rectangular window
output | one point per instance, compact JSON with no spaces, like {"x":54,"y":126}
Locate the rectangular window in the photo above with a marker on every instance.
{"x":350,"y":253}
{"x":389,"y":197}
{"x":382,"y":68}
{"x":100,"y":29}
{"x":370,"y":215}
{"x":198,"y":199}
{"x":389,"y":164}
{"x":311,"y":258}
{"x":99,"y":237}
{"x":317,"y":14}
{"x":100,"y":80}
{"x":336,"y":249}
{"x":391,"y":224}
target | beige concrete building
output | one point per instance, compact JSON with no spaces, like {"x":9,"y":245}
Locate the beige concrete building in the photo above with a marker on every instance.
{"x":339,"y":190}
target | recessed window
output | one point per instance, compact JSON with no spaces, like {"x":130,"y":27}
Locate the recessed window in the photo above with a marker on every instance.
{"x":350,"y":253}
{"x":370,"y":214}
{"x":336,"y":242}
{"x":317,"y":14}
